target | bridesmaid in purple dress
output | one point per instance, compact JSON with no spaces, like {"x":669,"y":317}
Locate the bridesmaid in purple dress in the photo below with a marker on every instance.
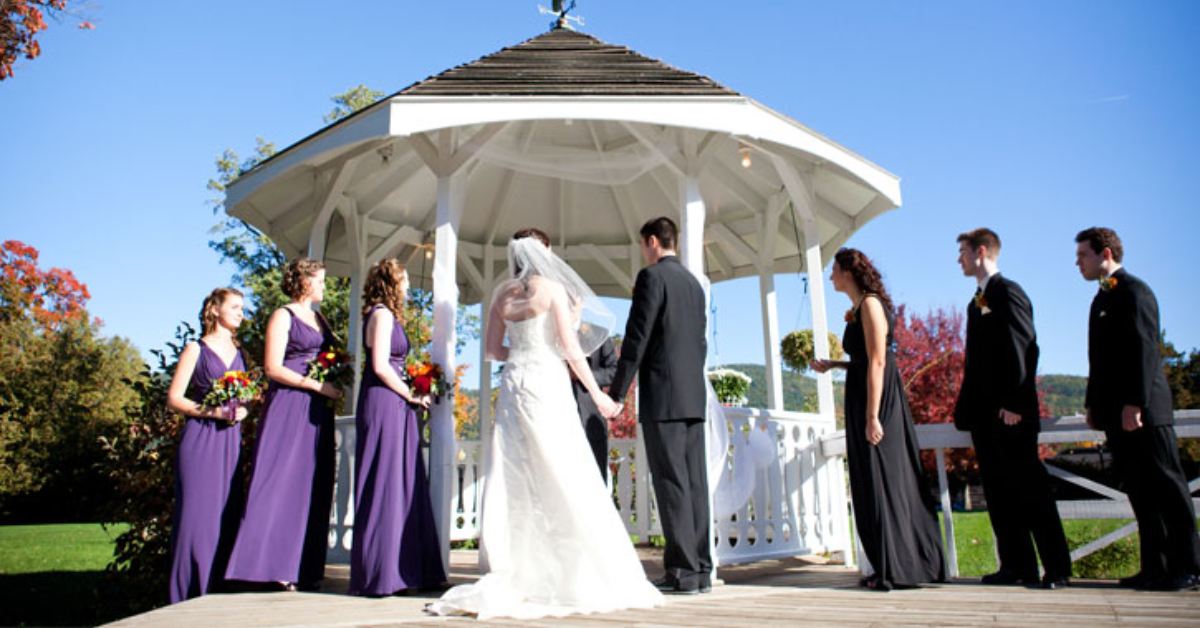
{"x":395,"y":538}
{"x":284,"y":532}
{"x":208,"y":485}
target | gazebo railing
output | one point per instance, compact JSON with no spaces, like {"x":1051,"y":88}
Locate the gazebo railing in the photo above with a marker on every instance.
{"x":797,"y":505}
{"x":1067,"y":429}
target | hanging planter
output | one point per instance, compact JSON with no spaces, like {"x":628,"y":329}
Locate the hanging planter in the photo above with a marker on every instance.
{"x":731,"y":386}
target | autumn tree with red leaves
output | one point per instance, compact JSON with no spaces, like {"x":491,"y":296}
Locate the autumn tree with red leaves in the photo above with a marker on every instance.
{"x":62,"y":386}
{"x":20,"y":22}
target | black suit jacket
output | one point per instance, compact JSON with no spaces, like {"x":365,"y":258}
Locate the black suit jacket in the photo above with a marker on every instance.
{"x":603,"y":363}
{"x":1000,"y":369}
{"x":665,"y":344}
{"x":1125,"y":365}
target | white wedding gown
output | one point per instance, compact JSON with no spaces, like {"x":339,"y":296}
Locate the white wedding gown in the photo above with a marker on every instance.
{"x":552,"y":542}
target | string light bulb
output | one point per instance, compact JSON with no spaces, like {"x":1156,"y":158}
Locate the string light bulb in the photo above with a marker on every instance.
{"x":428,"y":253}
{"x":744,"y":151}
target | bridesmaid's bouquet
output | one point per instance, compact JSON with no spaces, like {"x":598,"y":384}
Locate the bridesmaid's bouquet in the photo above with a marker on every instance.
{"x":332,"y":366}
{"x":231,"y":390}
{"x":426,"y":378}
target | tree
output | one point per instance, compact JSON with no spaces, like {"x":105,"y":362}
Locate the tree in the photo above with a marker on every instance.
{"x":20,"y":22}
{"x":1183,"y":374}
{"x":60,"y":389}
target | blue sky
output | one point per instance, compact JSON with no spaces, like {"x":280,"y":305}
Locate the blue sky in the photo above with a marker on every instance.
{"x":1034,"y":118}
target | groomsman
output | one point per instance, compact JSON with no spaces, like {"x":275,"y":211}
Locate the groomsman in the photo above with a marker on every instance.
{"x":1128,"y":397}
{"x":998,"y":404}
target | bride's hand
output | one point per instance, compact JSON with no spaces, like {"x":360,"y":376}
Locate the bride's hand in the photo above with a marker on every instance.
{"x":607,"y":407}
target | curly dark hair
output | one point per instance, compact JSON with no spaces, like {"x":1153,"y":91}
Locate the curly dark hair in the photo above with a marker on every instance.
{"x":1100,"y":238}
{"x":865,"y":275}
{"x":212,"y":303}
{"x":296,"y":274}
{"x":383,"y":287}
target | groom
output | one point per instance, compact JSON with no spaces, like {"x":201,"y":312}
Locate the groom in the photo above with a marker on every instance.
{"x":665,"y":337}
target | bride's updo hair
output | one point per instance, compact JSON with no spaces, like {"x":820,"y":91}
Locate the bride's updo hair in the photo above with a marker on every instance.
{"x":529,"y":232}
{"x":533,"y":232}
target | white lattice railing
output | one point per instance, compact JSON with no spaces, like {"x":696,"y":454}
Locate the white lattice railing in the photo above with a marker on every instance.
{"x":798,"y":504}
{"x":1067,"y":429}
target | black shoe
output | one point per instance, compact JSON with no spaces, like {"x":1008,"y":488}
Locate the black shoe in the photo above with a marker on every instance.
{"x":1006,"y":578}
{"x":671,"y":584}
{"x":1055,"y":582}
{"x":1136,"y":581}
{"x":706,"y":585}
{"x":1169,"y":583}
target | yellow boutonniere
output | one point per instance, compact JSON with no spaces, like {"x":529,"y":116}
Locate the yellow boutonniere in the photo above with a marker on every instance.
{"x":980,"y":301}
{"x":1108,"y":283}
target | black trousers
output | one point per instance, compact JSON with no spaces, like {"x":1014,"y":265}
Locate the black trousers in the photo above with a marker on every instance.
{"x":1147,"y":462}
{"x":675,"y":452}
{"x":1020,"y":506}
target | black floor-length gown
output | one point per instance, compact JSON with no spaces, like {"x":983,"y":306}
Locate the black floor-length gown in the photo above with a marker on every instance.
{"x":893,"y":509}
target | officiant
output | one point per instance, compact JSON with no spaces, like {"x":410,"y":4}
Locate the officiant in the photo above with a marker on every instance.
{"x":603,"y":362}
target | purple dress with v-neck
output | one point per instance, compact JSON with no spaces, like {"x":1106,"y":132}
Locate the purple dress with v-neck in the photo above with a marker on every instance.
{"x":208,"y":488}
{"x":395,"y":537}
{"x":284,"y":532}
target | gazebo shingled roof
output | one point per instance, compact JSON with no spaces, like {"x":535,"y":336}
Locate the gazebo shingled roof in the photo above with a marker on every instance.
{"x":566,"y":63}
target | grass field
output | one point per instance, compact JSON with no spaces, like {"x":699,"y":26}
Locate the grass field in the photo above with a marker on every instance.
{"x":53,"y":574}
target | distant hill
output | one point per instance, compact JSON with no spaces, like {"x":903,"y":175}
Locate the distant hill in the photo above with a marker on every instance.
{"x":1064,"y":394}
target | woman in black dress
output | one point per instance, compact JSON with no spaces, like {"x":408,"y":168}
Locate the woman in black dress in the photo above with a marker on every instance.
{"x":893,"y":509}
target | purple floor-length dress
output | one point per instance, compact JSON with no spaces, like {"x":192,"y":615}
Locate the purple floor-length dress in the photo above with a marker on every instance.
{"x":395,"y":538}
{"x":284,"y":532}
{"x":208,"y":488}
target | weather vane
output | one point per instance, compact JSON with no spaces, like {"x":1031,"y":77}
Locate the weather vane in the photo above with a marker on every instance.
{"x":560,"y":9}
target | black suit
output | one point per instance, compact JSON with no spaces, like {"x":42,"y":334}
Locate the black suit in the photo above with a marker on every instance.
{"x":603,"y":363}
{"x":665,"y":345}
{"x":1126,"y":369}
{"x":1000,"y":373}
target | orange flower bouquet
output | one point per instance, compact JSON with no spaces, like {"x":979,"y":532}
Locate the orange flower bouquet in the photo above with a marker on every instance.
{"x":233,"y":389}
{"x":427,"y":378}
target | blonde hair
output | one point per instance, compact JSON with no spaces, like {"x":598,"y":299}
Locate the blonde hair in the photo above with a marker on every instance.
{"x":383,"y":287}
{"x":296,"y":274}
{"x":209,"y":311}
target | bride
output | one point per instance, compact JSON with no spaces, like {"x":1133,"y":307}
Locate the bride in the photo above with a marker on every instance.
{"x":552,"y":543}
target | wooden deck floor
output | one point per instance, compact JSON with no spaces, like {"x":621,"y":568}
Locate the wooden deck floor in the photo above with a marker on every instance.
{"x":792,"y":592}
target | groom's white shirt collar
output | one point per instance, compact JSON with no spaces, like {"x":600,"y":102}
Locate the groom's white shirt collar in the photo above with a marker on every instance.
{"x":984,"y":282}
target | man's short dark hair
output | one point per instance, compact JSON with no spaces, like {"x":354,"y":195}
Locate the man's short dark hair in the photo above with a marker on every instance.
{"x":982,"y":236}
{"x":1100,"y":238}
{"x":662,"y":228}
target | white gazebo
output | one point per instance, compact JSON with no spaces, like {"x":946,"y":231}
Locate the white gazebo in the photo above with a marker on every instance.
{"x":586,"y":140}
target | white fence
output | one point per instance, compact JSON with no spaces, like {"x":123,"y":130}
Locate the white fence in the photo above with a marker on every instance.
{"x":1068,"y":429}
{"x":798,"y":505}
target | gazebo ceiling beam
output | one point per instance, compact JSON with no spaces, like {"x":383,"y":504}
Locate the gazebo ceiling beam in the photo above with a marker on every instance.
{"x":619,"y":193}
{"x":330,"y":187}
{"x":734,"y":243}
{"x":473,"y":274}
{"x":737,"y":186}
{"x":402,"y":235}
{"x":607,"y":264}
{"x":446,"y":157}
{"x":665,"y":187}
{"x":658,"y":142}
{"x":382,"y":190}
{"x":716,"y":250}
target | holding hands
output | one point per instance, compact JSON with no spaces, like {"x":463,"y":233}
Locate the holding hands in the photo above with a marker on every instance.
{"x":607,"y":407}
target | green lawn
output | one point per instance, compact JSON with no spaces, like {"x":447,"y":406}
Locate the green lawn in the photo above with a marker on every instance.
{"x":58,"y":547}
{"x":54,"y":574}
{"x":976,"y":546}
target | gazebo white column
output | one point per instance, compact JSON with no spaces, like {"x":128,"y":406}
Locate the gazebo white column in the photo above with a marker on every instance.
{"x":768,"y":302}
{"x":800,"y":192}
{"x":450,"y":196}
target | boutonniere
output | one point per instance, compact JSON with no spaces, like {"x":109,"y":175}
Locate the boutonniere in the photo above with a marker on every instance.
{"x":1108,"y":283}
{"x":982,"y":304}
